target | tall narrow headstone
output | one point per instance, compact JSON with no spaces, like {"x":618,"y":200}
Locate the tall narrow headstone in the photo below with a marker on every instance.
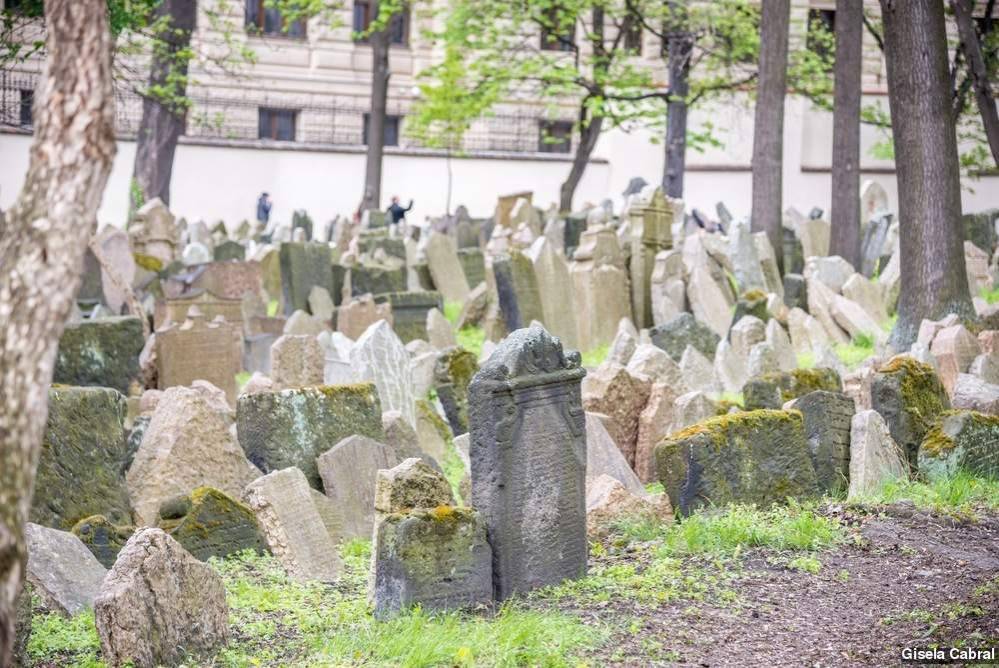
{"x":445,"y":268}
{"x":651,"y":217}
{"x":528,"y":455}
{"x":517,"y":285}
{"x":555,"y":288}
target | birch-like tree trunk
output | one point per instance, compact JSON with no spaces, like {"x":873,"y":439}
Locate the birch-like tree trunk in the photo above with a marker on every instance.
{"x":42,"y":242}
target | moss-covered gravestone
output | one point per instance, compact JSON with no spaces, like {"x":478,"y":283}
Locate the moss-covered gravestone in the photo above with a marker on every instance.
{"x":452,"y":373}
{"x":304,"y":265}
{"x":293,"y":427}
{"x":81,"y":471}
{"x":528,"y":460}
{"x":409,"y":312}
{"x":756,"y":457}
{"x":376,"y":280}
{"x":910,"y":397}
{"x":426,"y":551}
{"x":754,"y":303}
{"x":961,"y":441}
{"x":102,"y":537}
{"x":210,"y":523}
{"x":103,"y":353}
{"x":685,"y":330}
{"x":773,"y":390}
{"x":827,"y":418}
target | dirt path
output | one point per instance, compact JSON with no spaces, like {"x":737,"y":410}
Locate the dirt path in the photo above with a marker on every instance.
{"x":904,"y":579}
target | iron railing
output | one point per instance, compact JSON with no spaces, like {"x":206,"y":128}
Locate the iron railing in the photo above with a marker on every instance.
{"x":331,"y":121}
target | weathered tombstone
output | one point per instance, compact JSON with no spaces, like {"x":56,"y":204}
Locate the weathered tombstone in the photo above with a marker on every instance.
{"x":120,"y":266}
{"x":667,"y":288}
{"x":229,"y":280}
{"x":683,"y":330}
{"x":473,"y":264}
{"x":101,"y":352}
{"x":61,"y":570}
{"x":600,"y":287}
{"x":528,"y":453}
{"x":297,"y":361}
{"x":292,"y":525}
{"x":517,"y":287}
{"x":158,"y":604}
{"x":439,"y":331}
{"x":555,"y":291}
{"x":954,"y":348}
{"x":153,"y":232}
{"x":445,"y":268}
{"x":827,"y":418}
{"x":188,"y":444}
{"x":380,"y":357}
{"x":210,"y":305}
{"x":289,"y":428}
{"x":348,"y":471}
{"x":377,"y":279}
{"x":200,"y":350}
{"x":210,"y":523}
{"x":604,"y":458}
{"x":745,"y":260}
{"x":230,"y":250}
{"x":651,"y":218}
{"x":103,"y":538}
{"x":614,"y":392}
{"x":872,"y":247}
{"x":707,"y":300}
{"x":426,"y":551}
{"x":961,"y":441}
{"x":354,"y":317}
{"x":453,"y":371}
{"x":751,"y":457}
{"x":304,"y":265}
{"x":874,"y":455}
{"x":909,"y":396}
{"x":773,"y":390}
{"x":409,"y":312}
{"x":80,"y":469}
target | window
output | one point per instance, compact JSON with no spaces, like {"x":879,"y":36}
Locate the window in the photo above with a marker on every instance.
{"x":821,"y":31}
{"x":391,"y":129}
{"x":27,"y":100}
{"x":398,"y":27}
{"x":552,"y":25}
{"x":554,"y":137}
{"x":277,"y":124}
{"x":268,"y":21}
{"x":632,"y":35}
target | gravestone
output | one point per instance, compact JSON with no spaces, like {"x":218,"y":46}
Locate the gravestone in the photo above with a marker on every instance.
{"x":348,"y":471}
{"x":683,"y":330}
{"x":102,"y":537}
{"x":961,"y":441}
{"x":756,"y":457}
{"x":304,"y":265}
{"x":555,"y":290}
{"x":380,"y":357}
{"x":62,"y":572}
{"x":773,"y":390}
{"x":745,"y":260}
{"x":210,"y":305}
{"x":517,"y":289}
{"x":230,"y":250}
{"x":289,"y":428}
{"x":667,"y":288}
{"x":505,"y":205}
{"x":292,"y":525}
{"x":528,"y":454}
{"x":297,"y":361}
{"x":200,"y":350}
{"x":377,"y":279}
{"x":230,"y":280}
{"x":874,"y":456}
{"x":872,"y":248}
{"x":453,"y":371}
{"x":101,"y":352}
{"x":353,"y":318}
{"x":83,"y":456}
{"x":910,"y":397}
{"x":116,"y":250}
{"x":445,"y":268}
{"x":827,"y":418}
{"x":600,"y":287}
{"x":651,"y":218}
{"x":210,"y":523}
{"x":159,"y":605}
{"x":154,"y":233}
{"x":473,"y":264}
{"x":188,"y":444}
{"x":409,"y":312}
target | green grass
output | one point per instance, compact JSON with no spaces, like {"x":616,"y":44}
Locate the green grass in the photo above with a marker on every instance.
{"x":272,"y":308}
{"x":990,"y":296}
{"x":242,"y":378}
{"x":731,"y":397}
{"x":594,"y":358}
{"x":962,"y":494}
{"x":726,"y":531}
{"x":471,"y":339}
{"x":854,"y":353}
{"x":454,"y":470}
{"x":451,"y":311}
{"x":63,"y":641}
{"x":806,"y":360}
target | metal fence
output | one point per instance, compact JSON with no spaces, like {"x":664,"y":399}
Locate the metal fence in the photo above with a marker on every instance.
{"x":319,"y":120}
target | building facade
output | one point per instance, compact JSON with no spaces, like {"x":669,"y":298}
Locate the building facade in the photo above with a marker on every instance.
{"x":293,"y":122}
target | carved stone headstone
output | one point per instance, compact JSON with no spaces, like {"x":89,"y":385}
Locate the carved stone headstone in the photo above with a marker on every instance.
{"x":528,"y":454}
{"x":600,"y":287}
{"x":200,"y":350}
{"x":445,"y":268}
{"x":555,"y":289}
{"x":409,"y":312}
{"x":651,"y":218}
{"x":517,"y":287}
{"x":380,"y":357}
{"x":304,"y":265}
{"x":349,"y":470}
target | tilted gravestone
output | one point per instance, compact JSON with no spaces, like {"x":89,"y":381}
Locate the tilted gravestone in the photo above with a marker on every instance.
{"x":304,"y":265}
{"x":910,"y":397}
{"x":278,"y":430}
{"x":528,"y":456}
{"x":348,"y":470}
{"x":517,"y":288}
{"x":102,"y":352}
{"x":453,"y":371}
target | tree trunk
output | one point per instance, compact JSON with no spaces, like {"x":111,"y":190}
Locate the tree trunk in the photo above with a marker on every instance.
{"x":41,"y":250}
{"x":588,"y":136}
{"x":376,"y":119}
{"x":680,"y":45}
{"x":934,"y":282}
{"x":979,"y":74}
{"x":163,"y":108}
{"x":845,"y":210}
{"x":768,"y":127}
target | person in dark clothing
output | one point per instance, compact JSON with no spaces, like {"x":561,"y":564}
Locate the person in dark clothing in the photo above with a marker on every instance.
{"x":264,"y":208}
{"x":396,"y":210}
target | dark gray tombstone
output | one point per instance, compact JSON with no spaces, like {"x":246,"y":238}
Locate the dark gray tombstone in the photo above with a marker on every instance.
{"x":473,"y":265}
{"x":528,"y":461}
{"x":409,"y":312}
{"x":873,"y":243}
{"x":304,"y":265}
{"x":230,"y":250}
{"x":827,"y":429}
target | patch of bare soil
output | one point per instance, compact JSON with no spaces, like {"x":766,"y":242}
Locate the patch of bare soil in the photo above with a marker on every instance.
{"x":904,"y":578}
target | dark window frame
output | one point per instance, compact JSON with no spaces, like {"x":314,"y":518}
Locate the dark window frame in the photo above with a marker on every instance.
{"x":559,"y":130}
{"x":255,"y":21}
{"x":391,"y":132}
{"x":633,"y":35}
{"x":399,"y":24}
{"x":26,"y":103}
{"x":269,"y":117}
{"x":827,"y":17}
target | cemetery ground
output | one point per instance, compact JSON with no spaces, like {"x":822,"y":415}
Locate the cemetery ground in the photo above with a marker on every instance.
{"x":822,"y":583}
